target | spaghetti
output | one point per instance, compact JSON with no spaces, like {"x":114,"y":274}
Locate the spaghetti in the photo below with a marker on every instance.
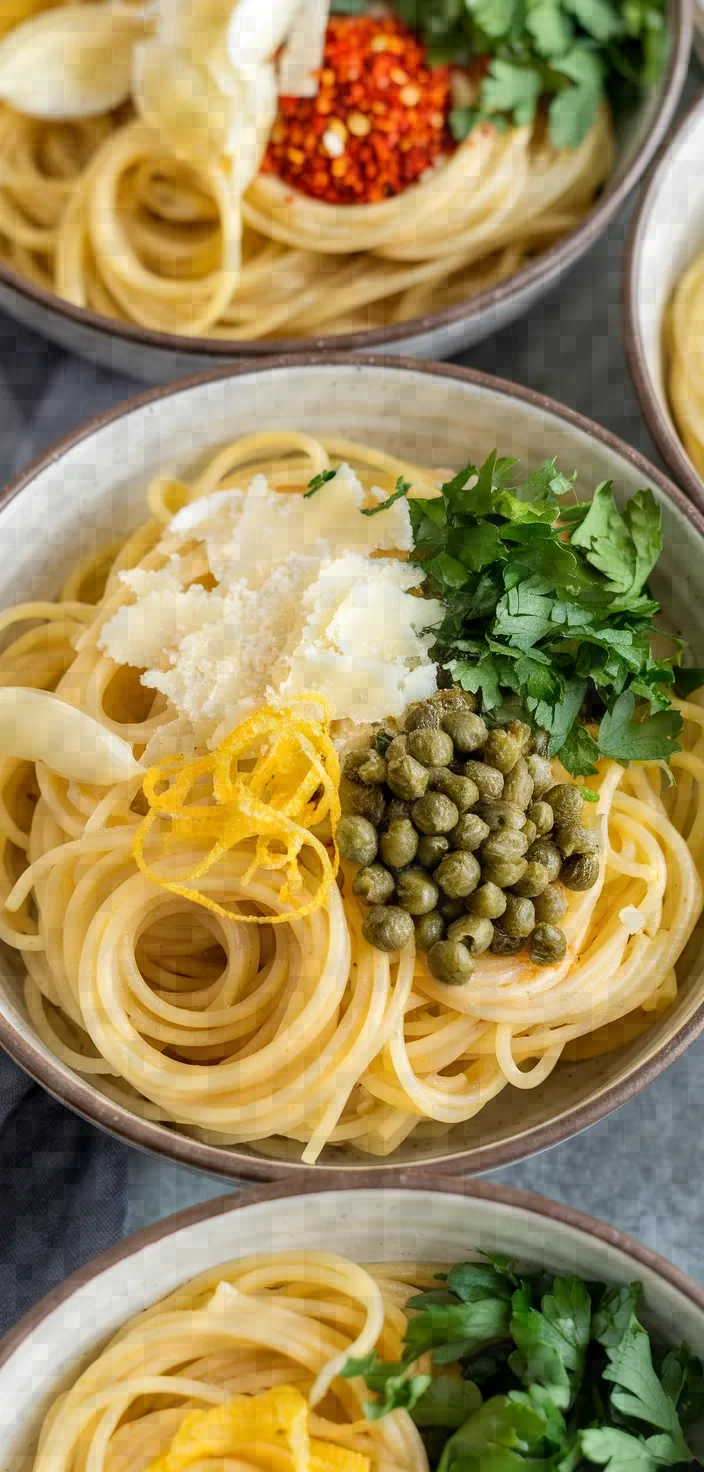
{"x":243,"y":1032}
{"x":683,"y":343}
{"x":100,"y":211}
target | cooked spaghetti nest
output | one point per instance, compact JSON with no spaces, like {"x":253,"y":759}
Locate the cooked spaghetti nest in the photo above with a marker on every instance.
{"x":99,"y":212}
{"x":248,"y":1356}
{"x":299,"y":1031}
{"x":683,"y":347}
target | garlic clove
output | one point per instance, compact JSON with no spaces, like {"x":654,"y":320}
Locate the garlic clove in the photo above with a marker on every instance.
{"x":302,"y":55}
{"x":257,"y":29}
{"x":182,"y":102}
{"x":74,"y":61}
{"x":36,"y":726}
{"x":195,"y":28}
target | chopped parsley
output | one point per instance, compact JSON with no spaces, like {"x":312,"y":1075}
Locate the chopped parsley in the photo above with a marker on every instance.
{"x":318,"y":481}
{"x":561,"y":1376}
{"x":548,"y":611}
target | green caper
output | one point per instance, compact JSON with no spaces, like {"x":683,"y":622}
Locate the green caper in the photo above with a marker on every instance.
{"x":374,"y":884}
{"x":523,"y":734}
{"x":363,"y":802}
{"x":387,"y":927}
{"x":399,"y":843}
{"x":468,"y":731}
{"x":544,"y":852}
{"x":396,"y":749}
{"x":533,"y":882}
{"x":541,"y":772}
{"x":581,"y":871}
{"x":476,"y":932}
{"x":416,"y":892}
{"x":406,"y":777}
{"x":489,"y":780}
{"x":357,"y":839}
{"x":540,"y":742}
{"x":529,"y":831}
{"x":397,"y":808}
{"x":503,"y":872}
{"x":519,"y":916}
{"x":502,"y":750}
{"x":458,"y":874}
{"x":469,"y":832}
{"x":450,"y":909}
{"x":422,"y":715}
{"x":566,"y":802}
{"x":501,"y":814}
{"x":572,"y":838}
{"x":454,"y":698}
{"x":434,"y":813}
{"x":432,"y":748}
{"x":431,"y":849}
{"x":382,"y":742}
{"x":488,"y":901}
{"x":550,"y":906}
{"x":451,"y":962}
{"x":372,"y":770}
{"x":353,"y":761}
{"x":503,"y":944}
{"x":508,"y":843}
{"x":518,"y":786}
{"x":548,"y":944}
{"x":542,"y":815}
{"x":429,"y":930}
{"x":462,"y":791}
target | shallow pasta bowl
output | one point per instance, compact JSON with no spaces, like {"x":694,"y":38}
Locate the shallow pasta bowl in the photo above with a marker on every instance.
{"x":158,"y":356}
{"x":667,"y":234}
{"x":421,"y":1220}
{"x":90,"y":489}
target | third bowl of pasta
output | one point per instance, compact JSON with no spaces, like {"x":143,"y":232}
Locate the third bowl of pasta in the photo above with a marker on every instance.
{"x":351,"y":769}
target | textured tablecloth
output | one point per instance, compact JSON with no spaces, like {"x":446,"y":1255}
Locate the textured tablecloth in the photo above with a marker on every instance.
{"x":66,"y":1191}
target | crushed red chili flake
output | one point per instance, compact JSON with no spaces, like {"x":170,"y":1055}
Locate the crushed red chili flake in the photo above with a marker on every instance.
{"x":379,"y":120}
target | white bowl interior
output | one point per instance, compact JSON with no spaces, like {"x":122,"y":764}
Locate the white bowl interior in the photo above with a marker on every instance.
{"x":366,"y":1225}
{"x":671,"y":237}
{"x":94,"y":491}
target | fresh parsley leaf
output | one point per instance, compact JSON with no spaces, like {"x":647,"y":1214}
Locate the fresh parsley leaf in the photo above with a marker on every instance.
{"x":617,"y":1450}
{"x":483,"y":676}
{"x":401,"y":488}
{"x":551,"y":1344}
{"x":643,"y":518}
{"x":572,"y":112}
{"x":500,"y":1437}
{"x":472,"y":1281}
{"x":396,"y":1387}
{"x":318,"y":482}
{"x":552,"y":30}
{"x":682,"y":1377}
{"x":512,"y":88}
{"x":579,"y":752}
{"x":626,"y":739}
{"x":447,"y":1402}
{"x":637,"y":1393}
{"x":599,"y":18}
{"x":451,"y":1331}
{"x":589,"y":794}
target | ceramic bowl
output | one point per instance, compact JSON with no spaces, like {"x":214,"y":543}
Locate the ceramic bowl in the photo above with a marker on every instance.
{"x":666,"y":235}
{"x":156,"y":357}
{"x":428,"y":1219}
{"x":90,"y":489}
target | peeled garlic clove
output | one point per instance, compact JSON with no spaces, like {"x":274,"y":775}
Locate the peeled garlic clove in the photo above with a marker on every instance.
{"x":254,"y":113}
{"x":181,"y":102}
{"x":36,"y":726}
{"x":71,"y":62}
{"x":257,"y":28}
{"x":193,"y":27}
{"x":302,"y":56}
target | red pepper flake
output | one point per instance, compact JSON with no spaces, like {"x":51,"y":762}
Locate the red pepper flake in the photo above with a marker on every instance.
{"x":380,"y":98}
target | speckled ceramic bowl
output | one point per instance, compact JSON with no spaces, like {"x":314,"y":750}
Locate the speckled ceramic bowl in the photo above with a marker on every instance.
{"x":90,"y":488}
{"x":426,"y":1219}
{"x":156,"y":357}
{"x":667,"y":234}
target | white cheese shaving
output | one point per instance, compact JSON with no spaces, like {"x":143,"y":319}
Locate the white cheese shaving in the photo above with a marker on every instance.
{"x":632,"y":919}
{"x":299,"y":603}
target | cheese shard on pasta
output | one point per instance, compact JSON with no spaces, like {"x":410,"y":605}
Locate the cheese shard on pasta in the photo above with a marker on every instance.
{"x":300,"y":602}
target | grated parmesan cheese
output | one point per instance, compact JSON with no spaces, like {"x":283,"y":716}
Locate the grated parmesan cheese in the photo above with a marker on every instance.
{"x":299,"y":603}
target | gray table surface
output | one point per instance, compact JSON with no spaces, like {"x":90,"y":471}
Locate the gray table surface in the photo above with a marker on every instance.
{"x":643,"y":1168}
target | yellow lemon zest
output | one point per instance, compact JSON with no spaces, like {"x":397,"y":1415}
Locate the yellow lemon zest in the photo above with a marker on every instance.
{"x":267,"y":1426}
{"x":273,"y":779}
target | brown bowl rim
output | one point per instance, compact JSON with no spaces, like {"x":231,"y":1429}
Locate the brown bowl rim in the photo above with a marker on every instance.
{"x":552,"y":262}
{"x":657,"y":420}
{"x":311,"y":1184}
{"x":232,"y":1163}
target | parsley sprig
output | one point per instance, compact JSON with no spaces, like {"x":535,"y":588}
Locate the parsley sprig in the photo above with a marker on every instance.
{"x":547,"y":1374}
{"x":548,"y":612}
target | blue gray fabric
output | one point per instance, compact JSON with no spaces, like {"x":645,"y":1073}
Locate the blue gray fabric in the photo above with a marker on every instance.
{"x":63,"y":1192}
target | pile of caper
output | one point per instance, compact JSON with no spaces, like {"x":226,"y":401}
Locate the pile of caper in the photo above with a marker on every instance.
{"x":461,"y":833}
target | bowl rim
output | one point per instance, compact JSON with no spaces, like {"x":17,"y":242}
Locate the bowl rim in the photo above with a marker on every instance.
{"x":657,"y":419}
{"x":232,"y":1162}
{"x":550,"y":263}
{"x":513,"y":1197}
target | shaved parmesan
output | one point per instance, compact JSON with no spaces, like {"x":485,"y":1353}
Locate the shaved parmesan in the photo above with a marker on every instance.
{"x":632,"y":919}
